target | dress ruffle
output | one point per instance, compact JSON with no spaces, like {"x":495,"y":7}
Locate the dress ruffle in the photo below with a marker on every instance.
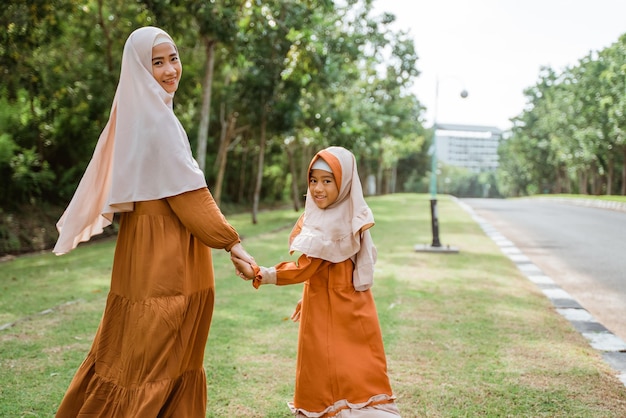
{"x":258,"y":277}
{"x":163,"y":398}
{"x":155,"y":371}
{"x":378,"y":401}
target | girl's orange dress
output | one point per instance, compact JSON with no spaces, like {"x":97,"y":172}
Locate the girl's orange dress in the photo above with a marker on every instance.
{"x":341,"y":358}
{"x":147,"y":356}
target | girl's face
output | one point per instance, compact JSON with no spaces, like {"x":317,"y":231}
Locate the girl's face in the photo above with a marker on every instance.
{"x":166,"y":66}
{"x":323,"y":188}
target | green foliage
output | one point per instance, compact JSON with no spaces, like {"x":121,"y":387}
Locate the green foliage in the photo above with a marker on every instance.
{"x":572,"y":135}
{"x":30,"y":174}
{"x":462,"y":182}
{"x":321,"y":72}
{"x":7,"y":149}
{"x":9,"y":239}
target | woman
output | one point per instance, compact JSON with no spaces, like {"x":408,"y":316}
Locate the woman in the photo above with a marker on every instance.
{"x":147,"y":356}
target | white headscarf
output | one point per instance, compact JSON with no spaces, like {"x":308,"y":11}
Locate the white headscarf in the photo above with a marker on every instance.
{"x":341,"y":231}
{"x":143,"y":153}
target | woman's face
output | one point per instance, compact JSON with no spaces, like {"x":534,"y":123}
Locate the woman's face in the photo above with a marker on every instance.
{"x":166,"y":66}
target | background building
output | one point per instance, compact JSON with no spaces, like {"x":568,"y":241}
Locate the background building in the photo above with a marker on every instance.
{"x":471,"y":146}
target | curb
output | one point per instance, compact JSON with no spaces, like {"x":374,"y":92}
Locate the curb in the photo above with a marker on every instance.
{"x":592,"y":203}
{"x":611,"y":347}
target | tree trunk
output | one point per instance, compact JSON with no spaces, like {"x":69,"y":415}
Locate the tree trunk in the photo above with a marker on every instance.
{"x":226,"y":134}
{"x":259,"y":172}
{"x":609,"y":177}
{"x":219,"y":166}
{"x":624,"y":171}
{"x":305,"y":160}
{"x":205,"y":114}
{"x":394,"y":178}
{"x":226,"y":144}
{"x":107,"y":37}
{"x":594,"y":180}
{"x":583,"y":181}
{"x":379,"y":178}
{"x":568,"y":180}
{"x":558,"y":186}
{"x":294,"y":179}
{"x":242,"y":174}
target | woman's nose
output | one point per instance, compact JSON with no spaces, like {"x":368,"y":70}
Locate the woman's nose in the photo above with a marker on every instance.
{"x":170,"y":69}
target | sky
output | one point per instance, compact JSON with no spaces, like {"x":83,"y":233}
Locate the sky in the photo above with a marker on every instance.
{"x":495,"y":49}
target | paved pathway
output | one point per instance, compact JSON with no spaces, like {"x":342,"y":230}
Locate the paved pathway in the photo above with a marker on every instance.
{"x":612,"y":348}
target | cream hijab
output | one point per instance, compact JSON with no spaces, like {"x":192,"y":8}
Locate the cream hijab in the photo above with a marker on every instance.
{"x":143,"y":153}
{"x":341,"y":231}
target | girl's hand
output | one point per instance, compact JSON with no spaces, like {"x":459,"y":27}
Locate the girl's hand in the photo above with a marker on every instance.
{"x":295,"y":316}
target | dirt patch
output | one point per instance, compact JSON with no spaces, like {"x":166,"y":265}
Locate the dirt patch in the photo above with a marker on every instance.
{"x":28,"y":228}
{"x":32,"y":228}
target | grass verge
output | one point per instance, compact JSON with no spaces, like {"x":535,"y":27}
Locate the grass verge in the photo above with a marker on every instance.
{"x":466,"y":335}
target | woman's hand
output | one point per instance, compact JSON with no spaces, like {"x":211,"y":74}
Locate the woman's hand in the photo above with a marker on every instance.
{"x":239,"y":252}
{"x":244,"y":263}
{"x":243,"y":269}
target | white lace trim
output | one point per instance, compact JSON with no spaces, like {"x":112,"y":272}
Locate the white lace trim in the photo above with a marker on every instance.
{"x":339,"y":405}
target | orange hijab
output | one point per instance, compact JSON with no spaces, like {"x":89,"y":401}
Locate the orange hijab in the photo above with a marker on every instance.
{"x":143,"y":153}
{"x":341,"y":231}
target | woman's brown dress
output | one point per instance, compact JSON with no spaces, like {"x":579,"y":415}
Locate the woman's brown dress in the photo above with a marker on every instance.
{"x":147,"y":355}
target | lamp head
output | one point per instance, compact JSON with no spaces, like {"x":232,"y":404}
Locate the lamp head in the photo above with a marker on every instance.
{"x":464,"y":93}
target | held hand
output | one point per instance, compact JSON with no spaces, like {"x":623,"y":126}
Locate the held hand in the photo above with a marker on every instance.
{"x":238,"y":251}
{"x":243,"y":269}
{"x":295,"y":316}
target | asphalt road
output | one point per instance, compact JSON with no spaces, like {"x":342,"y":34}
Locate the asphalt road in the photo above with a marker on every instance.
{"x":582,"y":249}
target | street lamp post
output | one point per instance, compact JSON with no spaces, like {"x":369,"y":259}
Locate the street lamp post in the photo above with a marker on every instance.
{"x":434,"y":217}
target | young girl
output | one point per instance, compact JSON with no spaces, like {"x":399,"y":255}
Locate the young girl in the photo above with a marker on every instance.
{"x":147,"y":356}
{"x":341,"y":366}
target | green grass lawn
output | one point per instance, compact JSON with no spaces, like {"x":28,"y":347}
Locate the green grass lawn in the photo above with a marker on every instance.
{"x":466,"y":335}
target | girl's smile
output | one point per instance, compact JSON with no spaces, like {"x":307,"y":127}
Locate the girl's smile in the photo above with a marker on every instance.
{"x":323,"y":188}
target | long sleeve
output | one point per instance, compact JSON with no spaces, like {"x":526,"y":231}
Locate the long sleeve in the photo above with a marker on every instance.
{"x":289,"y":272}
{"x":199,"y":213}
